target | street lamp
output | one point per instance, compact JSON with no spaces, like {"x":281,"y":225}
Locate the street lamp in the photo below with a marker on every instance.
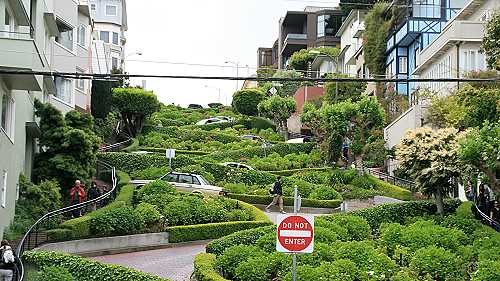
{"x":206,"y":86}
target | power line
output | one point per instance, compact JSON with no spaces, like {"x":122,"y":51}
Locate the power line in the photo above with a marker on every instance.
{"x":91,"y":76}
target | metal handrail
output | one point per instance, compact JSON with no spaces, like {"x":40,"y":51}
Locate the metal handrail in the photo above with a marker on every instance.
{"x":115,"y":145}
{"x":486,"y":219}
{"x":34,"y":228}
{"x":388,"y":178}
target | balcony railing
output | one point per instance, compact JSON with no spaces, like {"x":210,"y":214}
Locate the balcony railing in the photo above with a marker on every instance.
{"x":295,"y":36}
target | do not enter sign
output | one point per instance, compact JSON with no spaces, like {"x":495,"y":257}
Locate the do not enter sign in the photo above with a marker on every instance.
{"x":295,"y":234}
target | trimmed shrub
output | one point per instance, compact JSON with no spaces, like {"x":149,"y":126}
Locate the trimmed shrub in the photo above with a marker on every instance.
{"x":437,"y":263}
{"x":204,"y":268}
{"x":148,"y":214}
{"x":83,"y":269}
{"x":210,"y":231}
{"x":156,"y":188}
{"x":120,"y":221}
{"x":487,"y":270}
{"x":52,"y":273}
{"x":357,"y":227}
{"x":59,"y":234}
{"x":150,"y":173}
{"x":390,"y":190}
{"x":281,"y":148}
{"x":246,"y":101}
{"x":227,"y":263}
{"x":255,"y":269}
{"x":245,"y":237}
{"x":255,"y":122}
{"x":130,"y":162}
{"x":325,"y":193}
{"x":287,"y":201}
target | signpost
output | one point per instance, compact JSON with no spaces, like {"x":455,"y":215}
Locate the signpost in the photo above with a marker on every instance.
{"x":295,"y":233}
{"x":170,"y":154}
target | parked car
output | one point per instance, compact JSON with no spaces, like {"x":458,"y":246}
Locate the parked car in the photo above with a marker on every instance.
{"x":227,"y":118}
{"x":195,"y":106}
{"x":237,"y":165}
{"x":252,"y":137}
{"x":211,"y":121}
{"x":299,"y":140}
{"x":186,"y":182}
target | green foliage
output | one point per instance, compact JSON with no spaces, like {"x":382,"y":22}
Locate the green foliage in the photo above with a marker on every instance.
{"x":301,"y":59}
{"x":227,"y":263}
{"x":487,"y":270}
{"x":83,"y":269}
{"x":437,"y":263}
{"x":275,"y":162}
{"x":339,"y":270}
{"x":325,"y":193}
{"x":288,"y":88}
{"x":480,"y":149}
{"x":337,"y":92}
{"x":246,"y":101}
{"x":431,"y":158}
{"x":105,"y":127}
{"x":282,"y":149}
{"x":357,"y":227}
{"x":255,"y":268}
{"x":287,"y":201}
{"x":245,"y":237}
{"x":278,"y":109}
{"x":377,"y":25}
{"x":148,"y":214}
{"x":52,"y":273}
{"x":70,"y":146}
{"x":156,"y":188}
{"x":119,"y":221}
{"x":491,"y":41}
{"x":134,"y":105}
{"x":204,"y":268}
{"x":150,"y":173}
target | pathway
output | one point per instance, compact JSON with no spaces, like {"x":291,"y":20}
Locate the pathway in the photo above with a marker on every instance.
{"x":174,"y":263}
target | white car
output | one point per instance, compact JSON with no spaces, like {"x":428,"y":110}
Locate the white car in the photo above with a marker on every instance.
{"x":211,"y":121}
{"x":227,"y":118}
{"x":237,"y":165}
{"x":299,"y":140}
{"x":186,"y":182}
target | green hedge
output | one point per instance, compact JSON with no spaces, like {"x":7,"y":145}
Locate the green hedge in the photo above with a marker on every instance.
{"x":399,"y":212}
{"x":287,"y":173}
{"x":245,"y":237}
{"x":287,"y":201}
{"x":193,"y":133}
{"x":130,"y":162}
{"x":281,"y":148}
{"x":83,"y":269}
{"x":210,"y":230}
{"x":390,"y":190}
{"x":177,"y":151}
{"x":133,"y":146}
{"x":204,"y":268}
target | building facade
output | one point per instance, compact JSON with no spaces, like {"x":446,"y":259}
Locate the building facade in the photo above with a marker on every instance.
{"x":110,"y":20}
{"x":41,"y":35}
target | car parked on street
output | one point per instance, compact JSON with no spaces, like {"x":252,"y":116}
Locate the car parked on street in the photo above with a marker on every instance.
{"x":186,"y":182}
{"x":211,"y":121}
{"x":227,"y":118}
{"x":237,"y":165}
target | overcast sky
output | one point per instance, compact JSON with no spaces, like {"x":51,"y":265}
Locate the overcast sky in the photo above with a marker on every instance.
{"x":208,"y":32}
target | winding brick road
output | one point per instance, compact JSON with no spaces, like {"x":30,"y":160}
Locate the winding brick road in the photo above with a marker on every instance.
{"x":172,"y":263}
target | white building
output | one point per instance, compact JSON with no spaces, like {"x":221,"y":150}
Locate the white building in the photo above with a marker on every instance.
{"x":455,"y":52}
{"x":110,"y":20}
{"x":351,"y":42}
{"x":42,"y":35}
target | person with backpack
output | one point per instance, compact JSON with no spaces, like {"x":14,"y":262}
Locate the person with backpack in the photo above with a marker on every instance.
{"x":76,"y":196}
{"x":277,"y":192}
{"x":7,"y":262}
{"x":93,"y":193}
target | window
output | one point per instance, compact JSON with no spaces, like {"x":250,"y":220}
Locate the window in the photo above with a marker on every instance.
{"x":81,"y":35}
{"x":186,"y":179}
{"x":7,"y":122}
{"x":80,"y":83}
{"x":403,"y":65}
{"x":92,"y":7}
{"x":170,"y":178}
{"x":115,"y":38}
{"x":10,"y":24}
{"x":114,"y":63}
{"x":104,"y":36}
{"x":328,"y":25}
{"x":417,"y":57}
{"x":65,"y":37}
{"x":111,"y":10}
{"x":4,"y":189}
{"x":196,"y":181}
{"x":64,"y":89}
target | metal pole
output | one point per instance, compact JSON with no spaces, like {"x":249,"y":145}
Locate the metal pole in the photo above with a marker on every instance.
{"x":237,"y":75}
{"x":294,"y":257}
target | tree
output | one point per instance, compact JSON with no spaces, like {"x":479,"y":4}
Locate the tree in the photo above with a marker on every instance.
{"x":300,"y":60}
{"x":491,"y":42}
{"x":431,"y":158}
{"x":481,"y":149}
{"x":101,"y":97}
{"x":288,"y":88}
{"x":278,"y":109}
{"x":247,"y":100}
{"x":134,"y":105}
{"x":336,"y":92}
{"x":69,"y":146}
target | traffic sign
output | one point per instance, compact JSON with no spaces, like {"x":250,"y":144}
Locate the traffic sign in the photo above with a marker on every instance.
{"x":170,"y":153}
{"x":295,"y":234}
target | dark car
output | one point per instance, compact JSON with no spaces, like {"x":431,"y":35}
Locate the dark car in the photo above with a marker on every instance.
{"x":195,"y":106}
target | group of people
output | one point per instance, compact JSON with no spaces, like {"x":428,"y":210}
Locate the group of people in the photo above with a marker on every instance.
{"x":7,"y":261}
{"x":77,"y":195}
{"x":486,"y":201}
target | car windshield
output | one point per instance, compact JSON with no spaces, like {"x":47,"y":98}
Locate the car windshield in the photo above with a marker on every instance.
{"x":203,"y":181}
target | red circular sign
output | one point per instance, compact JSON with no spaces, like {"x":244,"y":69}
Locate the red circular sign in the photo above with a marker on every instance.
{"x":295,"y":233}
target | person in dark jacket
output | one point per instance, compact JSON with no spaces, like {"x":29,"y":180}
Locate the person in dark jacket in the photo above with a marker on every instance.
{"x":277,"y":196}
{"x":93,"y":193}
{"x":7,"y":261}
{"x":495,"y":212}
{"x":483,"y":200}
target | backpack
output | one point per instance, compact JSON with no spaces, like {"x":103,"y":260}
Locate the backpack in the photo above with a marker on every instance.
{"x":8,"y":255}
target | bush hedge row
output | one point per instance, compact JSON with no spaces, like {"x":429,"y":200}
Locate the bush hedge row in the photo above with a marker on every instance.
{"x":204,"y":268}
{"x":287,"y":173}
{"x":287,"y":201}
{"x":130,"y":162}
{"x":245,"y":237}
{"x":281,"y":148}
{"x":399,"y":212}
{"x":190,"y":133}
{"x":83,"y":269}
{"x":177,"y":151}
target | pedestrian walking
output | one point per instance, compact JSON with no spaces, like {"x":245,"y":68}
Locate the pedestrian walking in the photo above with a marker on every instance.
{"x":7,"y":261}
{"x":495,"y":212}
{"x":93,"y":193}
{"x":483,"y":200}
{"x":469,"y":192}
{"x":77,"y":195}
{"x":277,"y":192}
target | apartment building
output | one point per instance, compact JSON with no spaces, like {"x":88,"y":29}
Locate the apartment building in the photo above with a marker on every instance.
{"x":312,"y":27}
{"x":110,"y":21}
{"x":37,"y":35}
{"x":418,"y":24}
